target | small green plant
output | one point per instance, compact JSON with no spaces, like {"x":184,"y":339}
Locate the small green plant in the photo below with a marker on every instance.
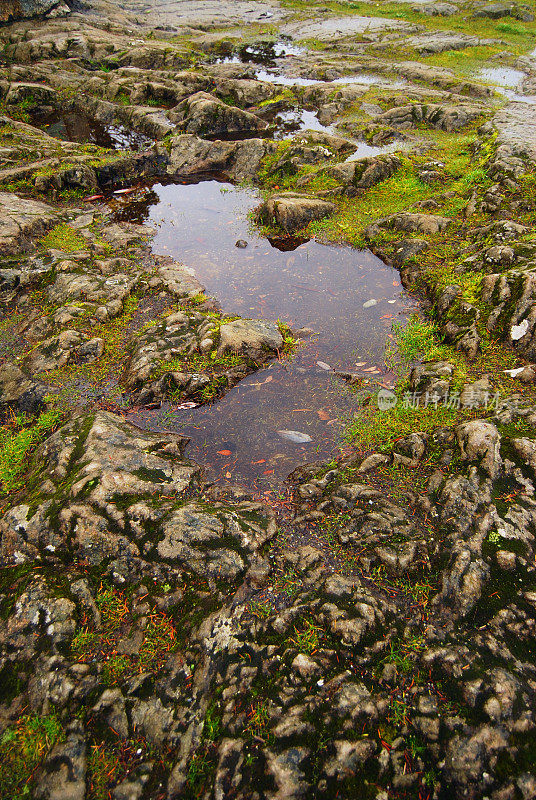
{"x":114,"y":669}
{"x":418,"y":338}
{"x":15,"y":446}
{"x":307,"y":639}
{"x":65,"y":238}
{"x":23,"y":749}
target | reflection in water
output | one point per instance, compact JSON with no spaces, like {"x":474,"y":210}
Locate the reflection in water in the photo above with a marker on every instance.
{"x":363,"y":78}
{"x":74,"y":126}
{"x":313,"y":285}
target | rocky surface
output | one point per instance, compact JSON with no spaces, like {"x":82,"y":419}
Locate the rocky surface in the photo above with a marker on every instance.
{"x":369,"y":629}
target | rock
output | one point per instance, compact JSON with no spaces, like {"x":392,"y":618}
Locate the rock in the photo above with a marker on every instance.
{"x":305,"y":666}
{"x":436,"y":9}
{"x":18,"y":393}
{"x":22,"y":221}
{"x":63,"y":775}
{"x":480,"y":441}
{"x":190,"y":155}
{"x":23,"y":9}
{"x":208,"y":544}
{"x":406,"y":221}
{"x":349,"y":758}
{"x":203,"y":114}
{"x":366,"y":172}
{"x":441,"y":41}
{"x":292,"y":212}
{"x":498,"y":10}
{"x":441,"y":117}
{"x":249,"y":337}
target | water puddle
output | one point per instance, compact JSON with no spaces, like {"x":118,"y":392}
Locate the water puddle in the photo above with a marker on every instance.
{"x":265,"y":53}
{"x":506,"y":81}
{"x":325,"y":288}
{"x":363,"y":78}
{"x":366,"y":150}
{"x":77,"y":127}
{"x":299,"y":119}
{"x":506,"y":77}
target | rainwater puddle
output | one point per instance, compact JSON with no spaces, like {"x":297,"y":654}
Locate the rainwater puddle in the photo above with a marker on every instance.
{"x":507,"y":81}
{"x":365,"y":150}
{"x":363,"y":78}
{"x":503,"y":76}
{"x":77,"y":127}
{"x":290,"y":122}
{"x":264,"y":52}
{"x":325,"y":288}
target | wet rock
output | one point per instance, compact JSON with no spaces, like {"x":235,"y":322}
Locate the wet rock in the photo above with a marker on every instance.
{"x":292,"y":212}
{"x":249,"y":337}
{"x":190,"y":155}
{"x":203,"y":114}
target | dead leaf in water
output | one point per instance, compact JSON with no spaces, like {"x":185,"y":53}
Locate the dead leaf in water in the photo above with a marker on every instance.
{"x":323,"y":414}
{"x":224,"y":452}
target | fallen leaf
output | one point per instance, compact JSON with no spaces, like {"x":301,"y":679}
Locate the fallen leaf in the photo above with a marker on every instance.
{"x":227,"y":474}
{"x":224,"y":452}
{"x":261,"y":461}
{"x":323,"y":414}
{"x":268,"y":472}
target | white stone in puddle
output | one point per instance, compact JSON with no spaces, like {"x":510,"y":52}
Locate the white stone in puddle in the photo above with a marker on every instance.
{"x":370,"y":303}
{"x":295,"y":436}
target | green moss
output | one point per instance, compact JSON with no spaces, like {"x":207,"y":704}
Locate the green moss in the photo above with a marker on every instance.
{"x":23,"y":748}
{"x":17,"y":443}
{"x":65,"y":238}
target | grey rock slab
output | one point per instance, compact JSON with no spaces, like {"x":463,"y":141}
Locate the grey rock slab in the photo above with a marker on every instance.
{"x":339,"y":27}
{"x":191,"y":155}
{"x":203,"y":14}
{"x":249,"y":337}
{"x":22,"y":220}
{"x":436,"y":9}
{"x":204,"y":114}
{"x":516,"y":124}
{"x":292,"y":212}
{"x":439,"y":42}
